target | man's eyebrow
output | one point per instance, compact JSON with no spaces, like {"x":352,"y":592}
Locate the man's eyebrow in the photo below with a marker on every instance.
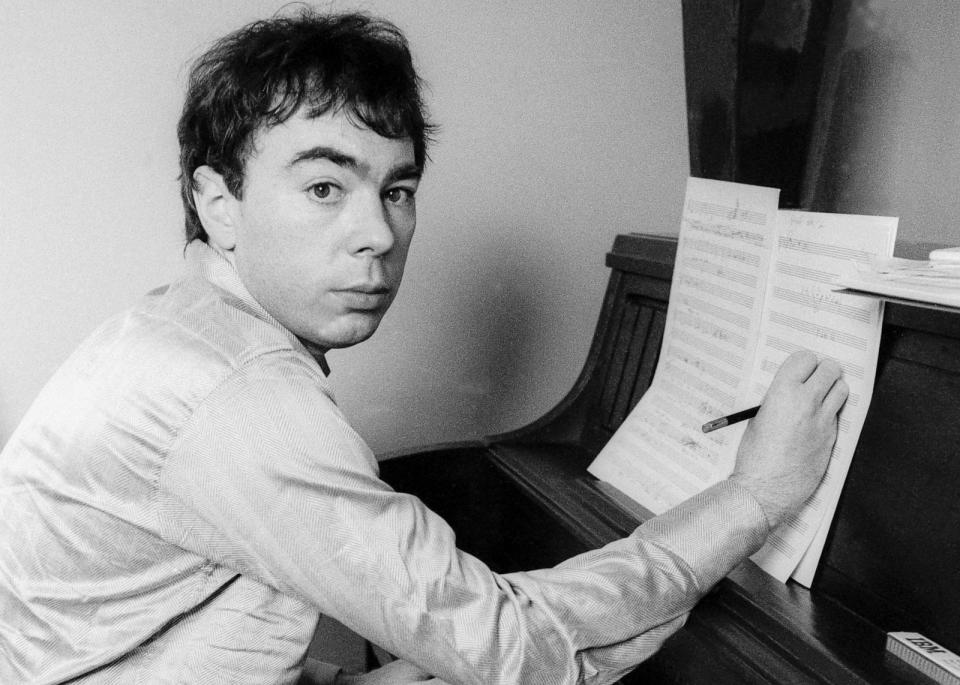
{"x":405,"y":172}
{"x":340,"y":158}
{"x":331,"y":154}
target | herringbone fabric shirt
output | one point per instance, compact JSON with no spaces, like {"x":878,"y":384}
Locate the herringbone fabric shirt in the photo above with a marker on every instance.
{"x":184,"y":499}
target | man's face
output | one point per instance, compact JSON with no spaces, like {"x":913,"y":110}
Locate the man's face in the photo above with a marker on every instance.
{"x":324,"y":226}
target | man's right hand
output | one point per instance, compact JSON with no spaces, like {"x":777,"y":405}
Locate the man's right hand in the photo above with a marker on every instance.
{"x":786,"y":447}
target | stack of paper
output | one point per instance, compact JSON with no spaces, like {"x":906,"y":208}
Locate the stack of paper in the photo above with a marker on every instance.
{"x":751,"y":285}
{"x":933,"y":281}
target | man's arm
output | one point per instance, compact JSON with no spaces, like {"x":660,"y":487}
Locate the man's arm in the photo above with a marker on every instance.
{"x":270,"y":480}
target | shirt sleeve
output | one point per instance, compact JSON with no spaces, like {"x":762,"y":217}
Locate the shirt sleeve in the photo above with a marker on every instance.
{"x":269,"y":479}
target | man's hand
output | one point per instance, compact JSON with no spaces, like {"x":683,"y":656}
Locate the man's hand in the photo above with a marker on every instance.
{"x":786,"y":447}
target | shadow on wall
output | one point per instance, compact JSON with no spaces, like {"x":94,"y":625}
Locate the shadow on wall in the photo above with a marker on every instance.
{"x":509,"y":313}
{"x":855,"y":175}
{"x":487,"y":325}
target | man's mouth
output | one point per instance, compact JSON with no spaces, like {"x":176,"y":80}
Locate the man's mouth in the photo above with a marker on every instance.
{"x":365,"y":297}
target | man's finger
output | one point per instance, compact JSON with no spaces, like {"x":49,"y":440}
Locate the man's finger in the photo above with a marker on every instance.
{"x":823,"y":377}
{"x":798,"y":366}
{"x":836,"y":397}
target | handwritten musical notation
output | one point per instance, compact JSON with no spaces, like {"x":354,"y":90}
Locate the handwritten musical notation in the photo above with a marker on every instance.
{"x":751,"y":284}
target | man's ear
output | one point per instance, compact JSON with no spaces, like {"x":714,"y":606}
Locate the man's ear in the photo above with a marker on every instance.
{"x":214,"y":204}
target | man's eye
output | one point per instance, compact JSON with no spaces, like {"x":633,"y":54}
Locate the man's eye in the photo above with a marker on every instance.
{"x":399,"y":195}
{"x":325,"y":191}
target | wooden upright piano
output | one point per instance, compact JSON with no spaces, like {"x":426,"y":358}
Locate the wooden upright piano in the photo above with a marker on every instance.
{"x":524,"y":500}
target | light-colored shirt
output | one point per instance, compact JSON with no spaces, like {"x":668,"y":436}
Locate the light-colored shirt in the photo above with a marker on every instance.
{"x":184,"y":499}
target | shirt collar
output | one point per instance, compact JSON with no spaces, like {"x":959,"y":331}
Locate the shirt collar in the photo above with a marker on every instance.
{"x":211,"y":265}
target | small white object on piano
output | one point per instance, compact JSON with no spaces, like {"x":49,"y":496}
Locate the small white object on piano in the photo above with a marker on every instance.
{"x":945,"y":255}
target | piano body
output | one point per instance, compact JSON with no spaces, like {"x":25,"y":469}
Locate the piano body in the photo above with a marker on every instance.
{"x":524,"y":500}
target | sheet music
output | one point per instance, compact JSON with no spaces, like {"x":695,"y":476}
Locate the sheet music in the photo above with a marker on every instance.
{"x":750,"y":286}
{"x":662,"y":457}
{"x":802,"y":311}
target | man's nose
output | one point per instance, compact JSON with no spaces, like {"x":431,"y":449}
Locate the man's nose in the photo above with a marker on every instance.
{"x":372,"y":235}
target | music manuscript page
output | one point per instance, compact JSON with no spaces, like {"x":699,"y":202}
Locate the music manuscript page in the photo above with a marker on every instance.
{"x":751,"y":284}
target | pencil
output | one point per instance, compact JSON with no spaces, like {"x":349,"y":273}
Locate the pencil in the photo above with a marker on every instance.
{"x":735,"y":417}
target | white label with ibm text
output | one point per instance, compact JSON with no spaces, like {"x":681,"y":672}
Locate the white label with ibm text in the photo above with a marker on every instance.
{"x":926,"y":655}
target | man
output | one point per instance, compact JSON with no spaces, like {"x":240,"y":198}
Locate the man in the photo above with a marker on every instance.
{"x":184,"y":499}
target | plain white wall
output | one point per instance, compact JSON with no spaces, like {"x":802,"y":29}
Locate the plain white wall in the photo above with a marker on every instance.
{"x":563,"y":124}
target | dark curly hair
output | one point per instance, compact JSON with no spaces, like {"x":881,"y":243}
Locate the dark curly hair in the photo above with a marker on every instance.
{"x":262,"y":74}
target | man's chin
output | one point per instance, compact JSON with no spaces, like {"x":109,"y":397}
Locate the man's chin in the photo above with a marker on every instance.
{"x":357,"y":327}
